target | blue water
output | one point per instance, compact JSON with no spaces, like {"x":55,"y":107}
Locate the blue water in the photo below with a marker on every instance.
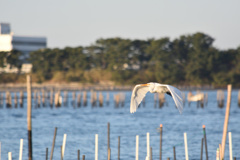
{"x":81,"y":125}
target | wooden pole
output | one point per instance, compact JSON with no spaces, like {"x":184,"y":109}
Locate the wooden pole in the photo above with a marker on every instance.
{"x":137,"y":146}
{"x":201,"y":155}
{"x":83,"y":157}
{"x":9,"y":155}
{"x":118,"y":147}
{"x":217,"y":154}
{"x":148,"y":145}
{"x":96,"y":146}
{"x":53,"y":144}
{"x":186,"y":146}
{"x":64,"y":144}
{"x":226,"y":120}
{"x":78,"y":154}
{"x":46,"y":153}
{"x":109,"y":154}
{"x":220,"y":151}
{"x":230,"y":145}
{"x":29,"y":116}
{"x":21,"y":149}
{"x":205,"y":141}
{"x":150,"y":153}
{"x":174,"y":153}
{"x":160,"y":152}
{"x":108,"y":132}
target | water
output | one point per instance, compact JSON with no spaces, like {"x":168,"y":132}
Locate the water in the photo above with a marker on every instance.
{"x":81,"y":125}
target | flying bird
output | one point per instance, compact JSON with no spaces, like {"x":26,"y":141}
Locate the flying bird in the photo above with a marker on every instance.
{"x":141,"y":90}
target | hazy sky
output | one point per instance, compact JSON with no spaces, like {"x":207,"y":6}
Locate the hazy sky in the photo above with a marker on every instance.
{"x":81,"y":22}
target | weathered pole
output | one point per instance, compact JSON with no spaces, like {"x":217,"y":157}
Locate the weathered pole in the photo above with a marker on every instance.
{"x":205,"y":141}
{"x":226,"y":120}
{"x":53,"y":144}
{"x":29,"y":116}
{"x":160,"y":152}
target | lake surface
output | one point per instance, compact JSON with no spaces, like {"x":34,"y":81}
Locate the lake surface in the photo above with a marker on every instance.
{"x":81,"y":125}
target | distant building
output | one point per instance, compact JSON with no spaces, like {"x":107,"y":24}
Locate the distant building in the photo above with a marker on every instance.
{"x":24,"y":44}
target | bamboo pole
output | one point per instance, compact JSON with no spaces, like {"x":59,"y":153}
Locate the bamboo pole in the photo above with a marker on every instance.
{"x":186,"y":146}
{"x":137,"y":146}
{"x":54,"y":137}
{"x":64,"y":144}
{"x":29,"y":116}
{"x":226,"y":120}
{"x":230,"y":145}
{"x":96,"y":146}
{"x":160,"y":152}
{"x":21,"y":149}
{"x":148,"y":145}
{"x":9,"y":155}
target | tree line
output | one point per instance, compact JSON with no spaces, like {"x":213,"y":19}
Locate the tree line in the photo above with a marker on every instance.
{"x":187,"y":60}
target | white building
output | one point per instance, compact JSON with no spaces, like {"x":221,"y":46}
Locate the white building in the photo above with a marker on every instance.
{"x":24,"y":44}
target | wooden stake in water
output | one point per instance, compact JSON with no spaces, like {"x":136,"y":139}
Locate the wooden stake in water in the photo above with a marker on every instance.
{"x":118,"y":147}
{"x":78,"y":154}
{"x":96,"y":146}
{"x":174,"y":153}
{"x":64,"y":144}
{"x":186,"y":146}
{"x":201,"y":155}
{"x":226,"y":119}
{"x":109,"y":154}
{"x":83,"y":157}
{"x":220,"y":151}
{"x":29,"y":116}
{"x":46,"y":153}
{"x":21,"y":149}
{"x":160,"y":152}
{"x":9,"y":155}
{"x":217,"y":154}
{"x":148,"y":145}
{"x":53,"y":144}
{"x":108,"y":131}
{"x":230,"y":145}
{"x":205,"y":141}
{"x":137,"y":146}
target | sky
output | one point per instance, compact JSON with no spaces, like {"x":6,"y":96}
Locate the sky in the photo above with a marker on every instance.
{"x":72,"y":23}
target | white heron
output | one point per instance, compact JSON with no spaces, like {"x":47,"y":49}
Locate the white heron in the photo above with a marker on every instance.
{"x":141,"y":90}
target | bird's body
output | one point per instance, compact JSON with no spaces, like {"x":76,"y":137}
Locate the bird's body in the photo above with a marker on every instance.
{"x":141,"y":90}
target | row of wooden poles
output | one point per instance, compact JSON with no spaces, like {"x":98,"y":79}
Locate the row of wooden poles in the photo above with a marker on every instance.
{"x":149,"y":148}
{"x":78,"y":99}
{"x":41,"y":98}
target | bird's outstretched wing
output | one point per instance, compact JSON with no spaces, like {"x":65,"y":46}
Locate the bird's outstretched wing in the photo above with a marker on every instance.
{"x":177,"y":97}
{"x":138,"y":94}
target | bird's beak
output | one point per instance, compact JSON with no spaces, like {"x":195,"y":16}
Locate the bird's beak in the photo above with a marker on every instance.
{"x":145,"y":84}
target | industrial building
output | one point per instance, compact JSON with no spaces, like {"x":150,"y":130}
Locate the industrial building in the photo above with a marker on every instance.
{"x":25,"y":44}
